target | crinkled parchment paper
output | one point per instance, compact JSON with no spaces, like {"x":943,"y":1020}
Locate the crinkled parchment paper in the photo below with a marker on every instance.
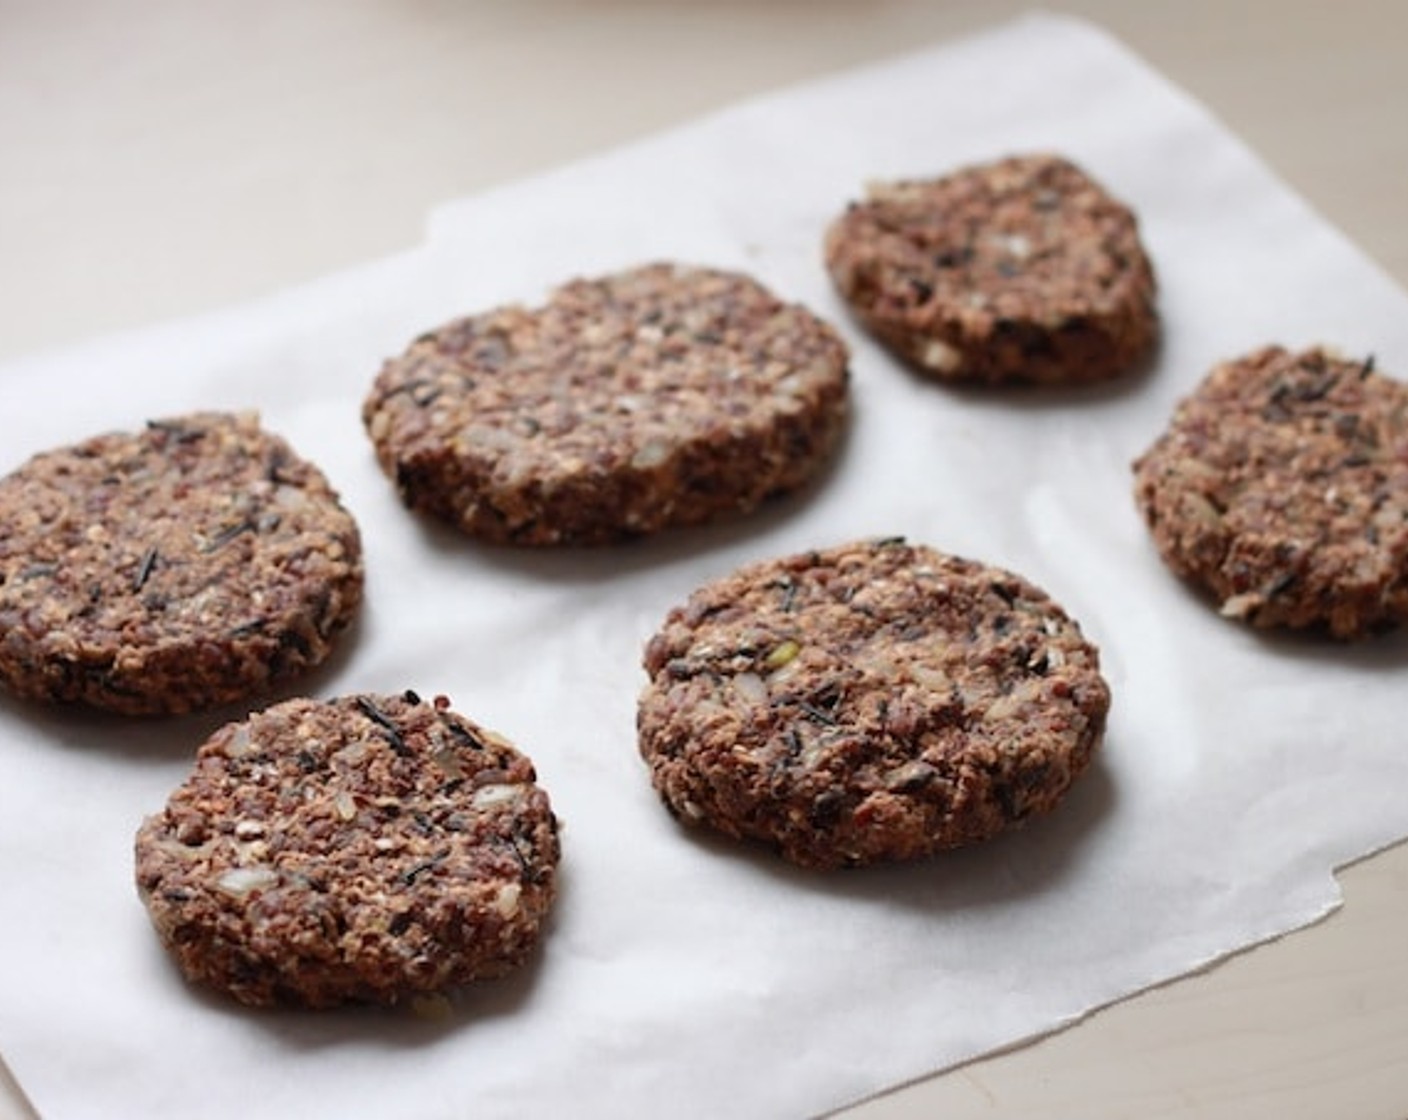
{"x":684,"y":976}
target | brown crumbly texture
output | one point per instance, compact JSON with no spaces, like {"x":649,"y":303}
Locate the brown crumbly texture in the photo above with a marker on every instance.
{"x":190,"y":564}
{"x":663,"y":396}
{"x":877,"y":701}
{"x":1019,"y":271}
{"x":367,"y":849}
{"x":1281,"y":487}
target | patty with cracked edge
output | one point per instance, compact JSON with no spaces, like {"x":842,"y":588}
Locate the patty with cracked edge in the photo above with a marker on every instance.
{"x":1024,"y":270}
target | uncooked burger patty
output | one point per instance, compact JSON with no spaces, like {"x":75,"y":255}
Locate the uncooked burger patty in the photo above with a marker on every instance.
{"x":658,"y":397}
{"x":1023,"y":270}
{"x":1281,"y":487}
{"x":365,"y":849}
{"x":189,"y":564}
{"x":876,"y":701}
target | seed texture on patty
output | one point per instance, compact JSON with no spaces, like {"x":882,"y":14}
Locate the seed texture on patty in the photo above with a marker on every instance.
{"x":368,"y":849}
{"x":874,"y":701}
{"x":1281,"y":488}
{"x":192,"y":563}
{"x":658,"y":397}
{"x":1020,"y":271}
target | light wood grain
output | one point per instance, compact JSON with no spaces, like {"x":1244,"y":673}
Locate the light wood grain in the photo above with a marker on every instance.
{"x":162,"y":158}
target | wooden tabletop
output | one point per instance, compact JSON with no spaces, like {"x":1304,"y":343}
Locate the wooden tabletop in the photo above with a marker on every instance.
{"x":162,"y":158}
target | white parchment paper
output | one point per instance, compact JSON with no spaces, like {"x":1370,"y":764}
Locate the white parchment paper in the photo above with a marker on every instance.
{"x":684,"y":976}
